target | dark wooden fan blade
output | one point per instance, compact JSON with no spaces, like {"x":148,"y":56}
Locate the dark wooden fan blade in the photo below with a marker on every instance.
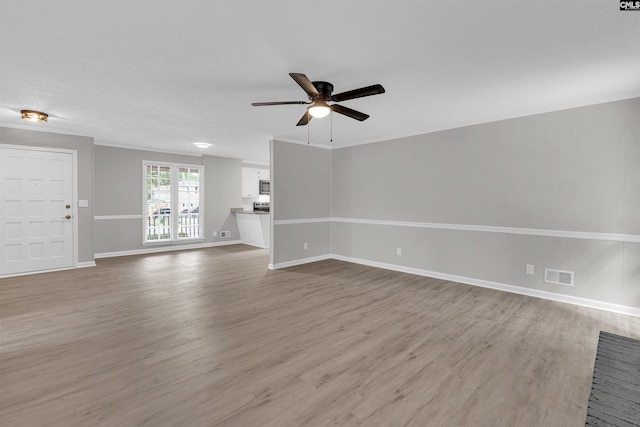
{"x":260,"y":104}
{"x":305,"y":84}
{"x":358,"y":93}
{"x":349,"y":112}
{"x":304,"y":119}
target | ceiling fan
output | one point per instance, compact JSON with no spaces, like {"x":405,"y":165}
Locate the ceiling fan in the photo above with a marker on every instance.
{"x":319,"y":94}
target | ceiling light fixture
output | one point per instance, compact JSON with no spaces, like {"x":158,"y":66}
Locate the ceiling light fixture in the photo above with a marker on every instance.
{"x":34,"y":116}
{"x":319,"y":108}
{"x":202,"y":144}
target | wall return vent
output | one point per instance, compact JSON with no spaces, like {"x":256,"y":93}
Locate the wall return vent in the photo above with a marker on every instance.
{"x":558,"y":277}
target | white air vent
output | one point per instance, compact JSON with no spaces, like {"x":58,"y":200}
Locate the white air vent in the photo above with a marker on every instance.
{"x":225,"y":234}
{"x":558,"y":277}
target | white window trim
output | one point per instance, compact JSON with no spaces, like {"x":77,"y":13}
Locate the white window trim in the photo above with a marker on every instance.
{"x":174,"y":196}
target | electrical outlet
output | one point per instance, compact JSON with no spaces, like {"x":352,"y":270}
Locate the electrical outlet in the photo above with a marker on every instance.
{"x":529,"y":269}
{"x":398,"y":251}
{"x":225,"y":234}
{"x":306,"y":246}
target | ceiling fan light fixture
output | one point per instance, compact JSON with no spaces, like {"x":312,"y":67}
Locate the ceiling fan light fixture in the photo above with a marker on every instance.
{"x":34,"y":116}
{"x":319,"y":92}
{"x":319,"y":108}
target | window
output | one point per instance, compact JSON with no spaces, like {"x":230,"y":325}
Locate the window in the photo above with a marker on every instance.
{"x":173,"y":201}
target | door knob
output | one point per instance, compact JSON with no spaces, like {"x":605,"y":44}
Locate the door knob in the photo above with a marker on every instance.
{"x":68,"y":206}
{"x":67,"y":217}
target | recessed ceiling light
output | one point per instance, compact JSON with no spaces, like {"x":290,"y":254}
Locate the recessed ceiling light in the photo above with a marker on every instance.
{"x":202,"y":144}
{"x":34,"y":116}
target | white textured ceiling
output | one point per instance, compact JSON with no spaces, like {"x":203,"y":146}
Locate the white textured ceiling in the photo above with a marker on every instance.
{"x":163,"y":74}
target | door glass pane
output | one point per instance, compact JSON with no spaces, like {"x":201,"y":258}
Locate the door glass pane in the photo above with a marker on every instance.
{"x":189,"y":203}
{"x":158,"y":202}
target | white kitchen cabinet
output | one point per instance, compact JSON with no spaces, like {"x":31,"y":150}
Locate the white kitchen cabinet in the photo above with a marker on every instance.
{"x":250,"y":180}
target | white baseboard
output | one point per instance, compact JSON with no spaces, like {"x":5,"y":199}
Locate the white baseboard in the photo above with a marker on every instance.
{"x":83,"y":264}
{"x":255,"y":246}
{"x":568,"y":299}
{"x":86,"y":264}
{"x":298,"y":262}
{"x":28,"y":273}
{"x":151,"y":250}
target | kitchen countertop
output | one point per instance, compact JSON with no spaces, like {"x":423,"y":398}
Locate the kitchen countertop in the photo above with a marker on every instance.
{"x":253,"y":213}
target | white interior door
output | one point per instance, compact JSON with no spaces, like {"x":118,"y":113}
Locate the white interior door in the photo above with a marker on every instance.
{"x":36,"y":214}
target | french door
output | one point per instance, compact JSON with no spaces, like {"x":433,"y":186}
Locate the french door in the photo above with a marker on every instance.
{"x":36,"y":210}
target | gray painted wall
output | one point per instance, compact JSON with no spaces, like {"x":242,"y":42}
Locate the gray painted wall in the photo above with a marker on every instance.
{"x":118,"y":177}
{"x":570,"y":171}
{"x":574,"y":170}
{"x":84,"y":147}
{"x":300,"y":189}
{"x":223,"y":191}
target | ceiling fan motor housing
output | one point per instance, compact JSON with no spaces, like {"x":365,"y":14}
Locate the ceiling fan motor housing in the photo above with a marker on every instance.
{"x":324,"y":89}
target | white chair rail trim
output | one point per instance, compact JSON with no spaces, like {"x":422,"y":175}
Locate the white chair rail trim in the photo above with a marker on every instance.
{"x":634,"y":238}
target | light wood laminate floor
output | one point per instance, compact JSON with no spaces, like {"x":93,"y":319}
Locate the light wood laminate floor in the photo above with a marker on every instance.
{"x":212,"y":338}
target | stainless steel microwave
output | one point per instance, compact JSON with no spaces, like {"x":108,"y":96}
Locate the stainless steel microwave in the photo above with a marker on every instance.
{"x":265,"y":186}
